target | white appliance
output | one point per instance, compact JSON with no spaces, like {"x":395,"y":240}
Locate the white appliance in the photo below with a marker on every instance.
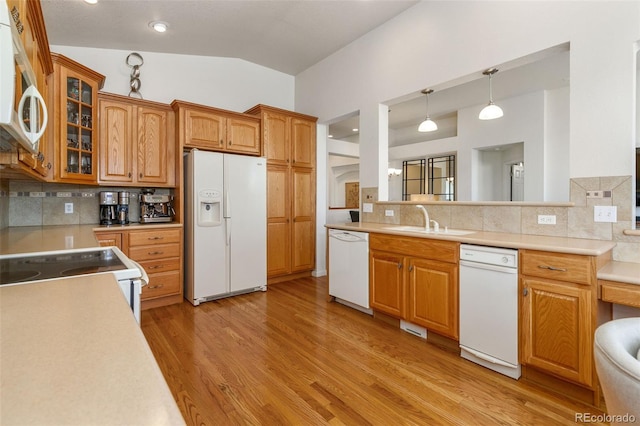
{"x":489,"y":308}
{"x":349,"y":268}
{"x":26,"y":268}
{"x":226,"y":223}
{"x":27,"y":124}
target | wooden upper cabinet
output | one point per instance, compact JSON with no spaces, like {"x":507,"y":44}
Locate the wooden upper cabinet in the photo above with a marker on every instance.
{"x":117,"y":141}
{"x":303,"y":142}
{"x":276,"y":137}
{"x":75,"y":121}
{"x":137,"y":144}
{"x":156,"y":146}
{"x":243,"y":136}
{"x":203,"y":130}
{"x":215,"y":129}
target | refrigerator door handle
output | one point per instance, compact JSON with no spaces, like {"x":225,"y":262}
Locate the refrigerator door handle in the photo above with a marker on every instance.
{"x":227,"y":230}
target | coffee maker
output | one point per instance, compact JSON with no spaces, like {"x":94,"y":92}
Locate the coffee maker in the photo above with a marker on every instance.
{"x":155,"y":208}
{"x":108,"y":208}
{"x":123,"y":207}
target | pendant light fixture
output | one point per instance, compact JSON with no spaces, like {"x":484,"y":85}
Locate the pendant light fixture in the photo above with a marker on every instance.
{"x":492,"y":110}
{"x":428,"y":125}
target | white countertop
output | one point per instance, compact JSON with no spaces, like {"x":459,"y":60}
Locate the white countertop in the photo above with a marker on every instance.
{"x":72,"y":353}
{"x":622,"y":272}
{"x":496,"y":239}
{"x":29,"y":239}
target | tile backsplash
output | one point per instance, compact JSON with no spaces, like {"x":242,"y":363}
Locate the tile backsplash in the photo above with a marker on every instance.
{"x":25,"y":203}
{"x":576,"y":221}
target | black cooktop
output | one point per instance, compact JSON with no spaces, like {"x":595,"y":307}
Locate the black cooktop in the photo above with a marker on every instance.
{"x":36,"y":267}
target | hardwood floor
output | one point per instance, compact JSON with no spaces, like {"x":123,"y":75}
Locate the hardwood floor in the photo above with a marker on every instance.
{"x":286,"y":356}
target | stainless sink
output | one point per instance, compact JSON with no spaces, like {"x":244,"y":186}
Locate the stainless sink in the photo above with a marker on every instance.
{"x":421,"y":230}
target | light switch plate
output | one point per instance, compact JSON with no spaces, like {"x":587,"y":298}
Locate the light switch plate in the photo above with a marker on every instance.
{"x":605,"y":213}
{"x":388,"y":212}
{"x":367,"y":207}
{"x":68,"y":208}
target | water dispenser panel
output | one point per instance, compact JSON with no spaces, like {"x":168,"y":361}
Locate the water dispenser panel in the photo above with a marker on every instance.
{"x":209,"y":207}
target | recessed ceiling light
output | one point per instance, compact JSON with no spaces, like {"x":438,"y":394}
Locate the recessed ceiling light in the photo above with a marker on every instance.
{"x":330,"y":136}
{"x":355,"y":130}
{"x":159,"y":26}
{"x":91,"y":1}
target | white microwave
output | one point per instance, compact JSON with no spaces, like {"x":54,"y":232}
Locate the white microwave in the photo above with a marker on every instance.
{"x":25,"y":124}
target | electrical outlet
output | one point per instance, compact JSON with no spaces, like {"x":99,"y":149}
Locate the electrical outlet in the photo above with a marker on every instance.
{"x":546,"y":219}
{"x":388,"y":212}
{"x":68,"y":208}
{"x":605,"y":214}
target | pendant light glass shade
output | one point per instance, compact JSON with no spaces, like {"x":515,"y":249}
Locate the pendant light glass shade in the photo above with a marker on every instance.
{"x":428,"y":125}
{"x":492,"y":110}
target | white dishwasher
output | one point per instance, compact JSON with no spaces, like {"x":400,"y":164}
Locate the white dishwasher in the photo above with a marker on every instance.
{"x":349,"y":268}
{"x":489,"y":308}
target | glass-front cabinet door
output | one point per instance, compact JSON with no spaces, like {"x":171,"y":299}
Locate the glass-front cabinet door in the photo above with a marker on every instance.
{"x":77,"y":89}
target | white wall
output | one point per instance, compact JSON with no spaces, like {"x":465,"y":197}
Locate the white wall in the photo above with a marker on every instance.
{"x":226,"y":83}
{"x":435,"y":42}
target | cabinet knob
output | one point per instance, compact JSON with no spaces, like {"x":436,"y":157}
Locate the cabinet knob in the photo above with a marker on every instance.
{"x":399,"y":265}
{"x":49,"y":166}
{"x":221,"y":142}
{"x":129,"y":174}
{"x":229,"y":141}
{"x":141,"y":175}
{"x":410,"y":268}
{"x":525,"y":291}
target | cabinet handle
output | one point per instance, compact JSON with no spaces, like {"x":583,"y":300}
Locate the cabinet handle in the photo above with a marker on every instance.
{"x":399,"y":265}
{"x":229,"y":141}
{"x":525,"y":291}
{"x":411,"y":268}
{"x":155,"y":252}
{"x":155,"y":238}
{"x":156,"y":286}
{"x":155,"y":267}
{"x":552,"y":268}
{"x":141,"y":175}
{"x":221,"y":142}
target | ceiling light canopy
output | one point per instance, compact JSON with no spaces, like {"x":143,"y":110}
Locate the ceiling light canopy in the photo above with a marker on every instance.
{"x":428,"y":125}
{"x":91,"y":1}
{"x":491,"y":111}
{"x":159,"y":26}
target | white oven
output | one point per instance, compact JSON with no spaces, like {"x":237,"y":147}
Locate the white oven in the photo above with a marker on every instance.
{"x":25,"y":268}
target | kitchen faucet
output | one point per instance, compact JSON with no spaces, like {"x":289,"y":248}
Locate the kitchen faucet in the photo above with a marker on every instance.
{"x":426,"y":217}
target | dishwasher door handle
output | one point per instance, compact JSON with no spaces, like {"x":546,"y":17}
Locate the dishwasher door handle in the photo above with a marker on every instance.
{"x":497,"y":268}
{"x":347,"y":237}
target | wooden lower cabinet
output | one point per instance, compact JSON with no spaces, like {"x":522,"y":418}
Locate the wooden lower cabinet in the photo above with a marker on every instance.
{"x":559,"y":314}
{"x":159,"y":252}
{"x":433,"y":296}
{"x":557,"y":330}
{"x":415,"y":279}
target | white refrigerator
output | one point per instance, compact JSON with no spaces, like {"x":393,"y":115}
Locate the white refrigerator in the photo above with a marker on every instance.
{"x":226,"y":225}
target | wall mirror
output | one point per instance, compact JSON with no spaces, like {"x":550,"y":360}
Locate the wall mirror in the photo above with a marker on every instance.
{"x":343,"y":163}
{"x":533,"y":92}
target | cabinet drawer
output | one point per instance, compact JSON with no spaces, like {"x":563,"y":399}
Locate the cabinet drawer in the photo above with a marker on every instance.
{"x":154,"y":236}
{"x":558,"y":266}
{"x":622,"y":294}
{"x":446,"y":251}
{"x":163,"y":265}
{"x":162,"y":284}
{"x":156,"y":251}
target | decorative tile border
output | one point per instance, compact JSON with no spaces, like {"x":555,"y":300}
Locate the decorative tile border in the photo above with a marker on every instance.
{"x":41,"y":194}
